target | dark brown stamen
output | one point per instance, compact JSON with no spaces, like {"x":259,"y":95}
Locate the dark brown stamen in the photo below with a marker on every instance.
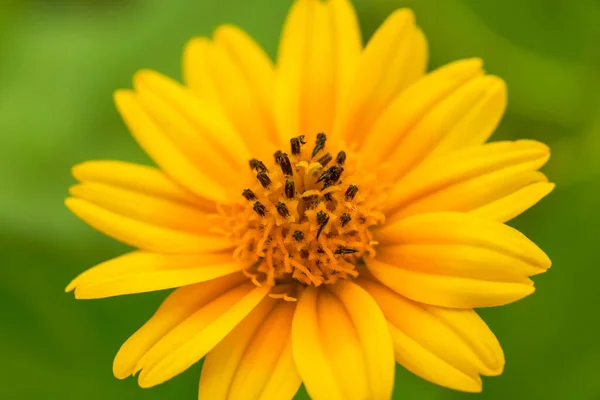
{"x":284,"y":163}
{"x":277,"y":156}
{"x":344,"y":219}
{"x":327,"y":196}
{"x":322,"y":220}
{"x":298,"y":235}
{"x":259,"y":209}
{"x":351,"y":192}
{"x":290,"y":189}
{"x":345,"y":250}
{"x":258,"y":165}
{"x":311,"y":201}
{"x":331,"y":175}
{"x":296,"y":143}
{"x":249,"y":194}
{"x":282,"y":209}
{"x":341,"y":158}
{"x":264,"y":179}
{"x":322,"y":217}
{"x":326,"y":159}
{"x":319,"y":144}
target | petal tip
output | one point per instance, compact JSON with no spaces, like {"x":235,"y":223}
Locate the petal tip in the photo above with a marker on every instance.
{"x":75,"y":189}
{"x":194,"y":44}
{"x":71,"y":203}
{"x":122,"y":97}
{"x":71,"y":286}
{"x":496,"y":84}
{"x":146,"y":378}
{"x":122,"y":363}
{"x":399,"y":17}
{"x":77,"y":170}
{"x":224,"y":30}
{"x":141,"y":75}
{"x":119,"y":372}
{"x":473,"y":63}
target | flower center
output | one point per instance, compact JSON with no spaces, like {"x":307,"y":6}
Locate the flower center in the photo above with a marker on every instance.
{"x":306,"y":216}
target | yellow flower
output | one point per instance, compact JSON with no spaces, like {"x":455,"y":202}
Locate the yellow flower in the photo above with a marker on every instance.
{"x":320,"y":217}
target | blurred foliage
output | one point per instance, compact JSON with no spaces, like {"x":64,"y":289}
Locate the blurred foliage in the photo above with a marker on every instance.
{"x":60,"y":61}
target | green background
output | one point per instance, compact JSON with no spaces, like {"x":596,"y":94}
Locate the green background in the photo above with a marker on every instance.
{"x":60,"y":61}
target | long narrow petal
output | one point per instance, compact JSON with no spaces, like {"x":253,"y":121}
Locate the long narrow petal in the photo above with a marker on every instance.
{"x":457,"y":260}
{"x":469,"y":179}
{"x":211,"y":128}
{"x":255,"y":360}
{"x":512,"y":205}
{"x":139,"y":178}
{"x":141,"y":271}
{"x":394,"y":58}
{"x":478,"y":123}
{"x":258,"y":72}
{"x":143,"y":235}
{"x":318,"y":53}
{"x":309,"y":350}
{"x":347,"y":46}
{"x":149,"y":209}
{"x":234,"y":73}
{"x":163,"y":151}
{"x":412,"y":106}
{"x":193,"y":338}
{"x":178,"y":306}
{"x":367,"y":321}
{"x":449,"y":347}
{"x":341,"y":344}
{"x":420,"y":140}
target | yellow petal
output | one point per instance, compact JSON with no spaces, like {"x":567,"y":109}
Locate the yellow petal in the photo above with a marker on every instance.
{"x":457,"y":260}
{"x":178,"y":306}
{"x":210,"y":127}
{"x":347,"y":46}
{"x":369,"y":324}
{"x":448,"y":291}
{"x":257,"y":69}
{"x":140,"y":271}
{"x":510,"y":206}
{"x":394,"y":58}
{"x":221,"y":364}
{"x":143,"y":235}
{"x":163,"y":151}
{"x":478,"y":123}
{"x":449,"y":347}
{"x":302,"y":41}
{"x":342,"y":348}
{"x":135,"y":177}
{"x":285,"y":380}
{"x":418,"y":56}
{"x":464,"y":259}
{"x":309,"y":351}
{"x":193,"y":338}
{"x":318,"y":53}
{"x":255,"y":360}
{"x":236,"y":74}
{"x":191,"y":140}
{"x":469,"y":179}
{"x":413,"y":104}
{"x":146,"y":208}
{"x":418,"y":142}
{"x":450,"y":228}
{"x":341,"y":344}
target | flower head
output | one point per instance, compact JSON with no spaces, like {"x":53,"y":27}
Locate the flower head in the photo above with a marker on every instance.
{"x":318,"y":218}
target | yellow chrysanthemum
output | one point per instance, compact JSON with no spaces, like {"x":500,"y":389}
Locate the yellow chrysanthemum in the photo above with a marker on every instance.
{"x":320,"y":217}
